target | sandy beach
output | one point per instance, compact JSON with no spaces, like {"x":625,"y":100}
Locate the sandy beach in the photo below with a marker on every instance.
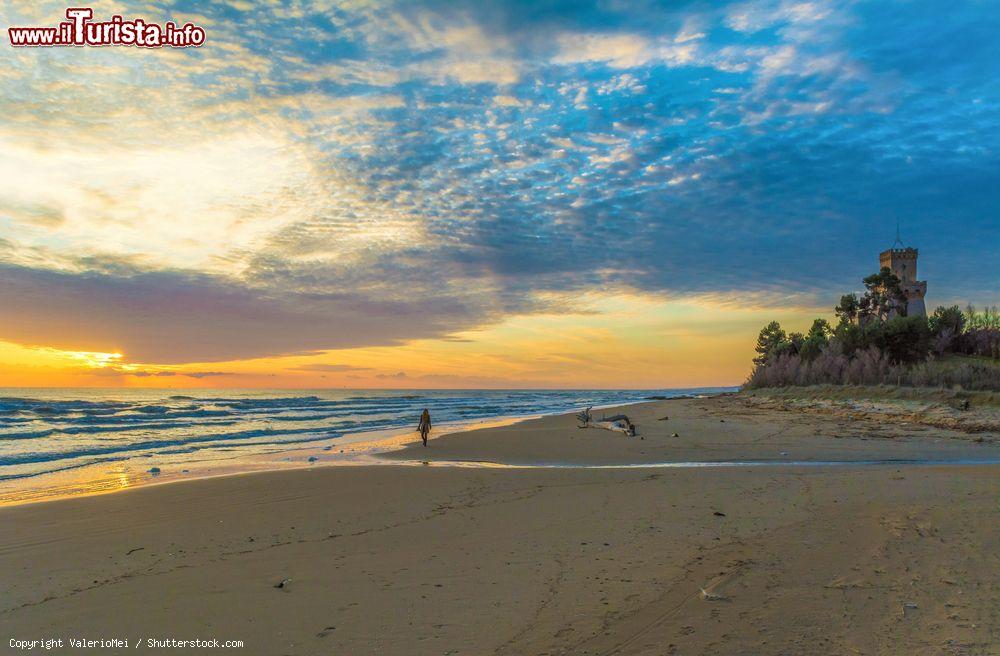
{"x":432,"y":559}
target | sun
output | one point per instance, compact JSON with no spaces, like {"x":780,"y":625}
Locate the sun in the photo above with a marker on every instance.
{"x":95,"y":359}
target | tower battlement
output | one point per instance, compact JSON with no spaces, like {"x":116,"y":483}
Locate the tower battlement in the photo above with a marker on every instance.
{"x":900,"y":252}
{"x":901,"y":261}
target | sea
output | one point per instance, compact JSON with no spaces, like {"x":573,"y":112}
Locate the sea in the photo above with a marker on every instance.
{"x":57,"y":442}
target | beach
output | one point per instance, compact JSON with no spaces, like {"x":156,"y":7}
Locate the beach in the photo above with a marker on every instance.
{"x":509,"y":540}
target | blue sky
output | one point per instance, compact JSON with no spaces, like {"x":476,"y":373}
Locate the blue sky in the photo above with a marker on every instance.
{"x":371,"y":173}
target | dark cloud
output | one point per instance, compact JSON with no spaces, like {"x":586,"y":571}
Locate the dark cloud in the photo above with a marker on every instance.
{"x":170,"y":317}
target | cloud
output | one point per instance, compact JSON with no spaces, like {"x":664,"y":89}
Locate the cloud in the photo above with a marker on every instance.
{"x":624,"y":50}
{"x":507,"y":101}
{"x":237,"y":189}
{"x":763,"y":14}
{"x":619,"y":50}
{"x":165,"y":318}
{"x":328,"y":367}
{"x":31,"y":214}
{"x":398,"y":374}
{"x":169,"y":374}
{"x":492,"y":71}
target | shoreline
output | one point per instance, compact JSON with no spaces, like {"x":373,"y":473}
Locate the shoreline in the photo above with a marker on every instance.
{"x":358,"y":449}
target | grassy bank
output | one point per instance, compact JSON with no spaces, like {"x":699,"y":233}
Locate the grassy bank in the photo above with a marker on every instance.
{"x":954,"y":397}
{"x":974,"y":412}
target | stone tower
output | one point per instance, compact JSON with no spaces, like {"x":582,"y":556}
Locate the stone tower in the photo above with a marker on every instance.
{"x":903,"y":262}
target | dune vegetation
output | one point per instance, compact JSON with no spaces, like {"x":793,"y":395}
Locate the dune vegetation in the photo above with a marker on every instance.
{"x":875,"y":343}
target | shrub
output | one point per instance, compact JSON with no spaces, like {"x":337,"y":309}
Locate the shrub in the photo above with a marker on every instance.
{"x":872,"y":367}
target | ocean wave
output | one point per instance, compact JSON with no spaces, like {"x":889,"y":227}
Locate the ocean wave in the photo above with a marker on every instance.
{"x":147,"y":445}
{"x":105,"y":428}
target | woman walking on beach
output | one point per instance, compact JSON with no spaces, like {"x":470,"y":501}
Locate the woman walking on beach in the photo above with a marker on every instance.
{"x":425,"y":425}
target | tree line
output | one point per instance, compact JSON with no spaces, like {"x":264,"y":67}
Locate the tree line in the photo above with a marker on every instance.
{"x":875,"y":342}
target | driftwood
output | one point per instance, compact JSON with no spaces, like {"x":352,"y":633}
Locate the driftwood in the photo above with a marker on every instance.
{"x":617,"y":423}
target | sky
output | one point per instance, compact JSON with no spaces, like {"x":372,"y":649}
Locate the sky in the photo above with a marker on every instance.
{"x":482,"y":194}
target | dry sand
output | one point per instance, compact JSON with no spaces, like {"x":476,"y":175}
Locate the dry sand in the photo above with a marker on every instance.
{"x":451,"y":560}
{"x":725,"y":427}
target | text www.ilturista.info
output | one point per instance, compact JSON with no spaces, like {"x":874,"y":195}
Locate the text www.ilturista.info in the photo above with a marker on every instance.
{"x":80,"y":30}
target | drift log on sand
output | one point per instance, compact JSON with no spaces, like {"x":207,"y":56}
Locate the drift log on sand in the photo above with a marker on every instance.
{"x":617,"y":423}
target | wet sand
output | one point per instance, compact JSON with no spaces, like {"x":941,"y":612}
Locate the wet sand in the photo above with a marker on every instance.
{"x":452,"y":560}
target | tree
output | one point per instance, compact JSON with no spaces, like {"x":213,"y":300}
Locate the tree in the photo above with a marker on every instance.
{"x":850,"y":336}
{"x":904,"y":339}
{"x":820,"y":329}
{"x":947,"y":319}
{"x":816,"y":339}
{"x":794,"y":344}
{"x":884,"y":297}
{"x":848,"y":308}
{"x":769,"y":342}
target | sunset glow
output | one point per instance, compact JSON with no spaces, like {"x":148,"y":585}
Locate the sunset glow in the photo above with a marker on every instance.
{"x":630,"y":341}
